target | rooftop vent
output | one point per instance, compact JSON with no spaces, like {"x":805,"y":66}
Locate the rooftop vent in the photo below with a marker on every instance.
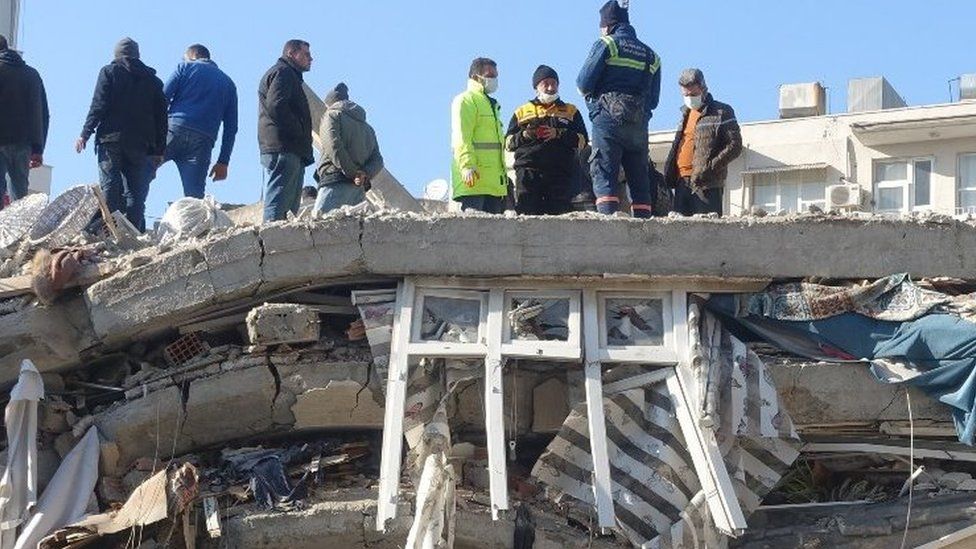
{"x":967,"y":86}
{"x":872,"y":94}
{"x":802,"y":100}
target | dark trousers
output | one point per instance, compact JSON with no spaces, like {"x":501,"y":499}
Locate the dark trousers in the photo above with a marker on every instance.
{"x":686,"y":202}
{"x":483,"y":203}
{"x":543,"y":192}
{"x":124,"y":177}
{"x":618,"y":145}
{"x":15,"y":166}
{"x":191,"y":151}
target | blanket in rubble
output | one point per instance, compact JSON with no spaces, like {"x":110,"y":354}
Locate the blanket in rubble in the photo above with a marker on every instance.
{"x":658,"y":499}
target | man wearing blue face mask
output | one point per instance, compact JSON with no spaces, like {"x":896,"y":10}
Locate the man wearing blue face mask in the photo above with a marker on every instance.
{"x":707,"y":141}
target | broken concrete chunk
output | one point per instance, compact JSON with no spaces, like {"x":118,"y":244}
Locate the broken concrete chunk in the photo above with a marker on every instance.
{"x":108,"y":461}
{"x":550,"y":406}
{"x":341,"y":404}
{"x":953,"y":480}
{"x":276,"y":324}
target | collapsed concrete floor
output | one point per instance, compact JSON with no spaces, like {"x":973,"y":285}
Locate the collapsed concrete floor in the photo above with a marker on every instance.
{"x":103,"y":351}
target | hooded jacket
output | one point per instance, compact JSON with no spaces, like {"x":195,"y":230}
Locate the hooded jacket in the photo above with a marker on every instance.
{"x":348,"y":145}
{"x":128,"y":108}
{"x":24,"y":116}
{"x":718,"y":141}
{"x":284,"y":117}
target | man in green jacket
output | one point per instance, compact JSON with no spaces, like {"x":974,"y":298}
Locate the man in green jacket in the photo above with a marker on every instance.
{"x":350,"y":156}
{"x":478,"y":173}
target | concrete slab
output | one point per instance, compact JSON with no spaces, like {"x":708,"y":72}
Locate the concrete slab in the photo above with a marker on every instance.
{"x":51,"y":337}
{"x":339,"y":405}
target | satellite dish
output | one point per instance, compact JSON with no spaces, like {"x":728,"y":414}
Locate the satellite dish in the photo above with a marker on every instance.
{"x":438,"y":189}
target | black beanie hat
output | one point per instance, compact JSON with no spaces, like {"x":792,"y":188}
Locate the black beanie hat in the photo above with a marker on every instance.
{"x":614,"y":13}
{"x":542,"y":73}
{"x":340,"y":93}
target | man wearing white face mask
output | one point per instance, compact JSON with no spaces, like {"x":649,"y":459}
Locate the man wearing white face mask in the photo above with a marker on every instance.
{"x":707,"y":141}
{"x":478,"y":173}
{"x":545,"y":135}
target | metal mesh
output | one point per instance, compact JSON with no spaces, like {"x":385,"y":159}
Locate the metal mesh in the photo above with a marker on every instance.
{"x":184,"y":349}
{"x":65,"y":218}
{"x":18,"y":218}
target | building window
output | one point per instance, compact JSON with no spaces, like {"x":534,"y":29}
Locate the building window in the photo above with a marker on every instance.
{"x":903,"y":186}
{"x":967,"y":184}
{"x":790,"y":191}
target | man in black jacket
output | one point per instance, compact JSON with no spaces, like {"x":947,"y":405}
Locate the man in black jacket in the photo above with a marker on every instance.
{"x":285,"y":130}
{"x":545,"y":134}
{"x":23,"y":122}
{"x":128,"y":112}
{"x":707,"y":141}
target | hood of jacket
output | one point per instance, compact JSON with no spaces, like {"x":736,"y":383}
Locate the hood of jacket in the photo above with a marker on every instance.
{"x":12,"y":58}
{"x":349,"y":108}
{"x":624,"y":29}
{"x":135,"y":66}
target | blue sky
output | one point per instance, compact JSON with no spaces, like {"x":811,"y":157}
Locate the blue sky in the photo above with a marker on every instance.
{"x":404,"y":61}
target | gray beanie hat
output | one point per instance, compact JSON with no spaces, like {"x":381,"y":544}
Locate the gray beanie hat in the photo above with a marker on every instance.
{"x":690,"y":77}
{"x":127,"y":47}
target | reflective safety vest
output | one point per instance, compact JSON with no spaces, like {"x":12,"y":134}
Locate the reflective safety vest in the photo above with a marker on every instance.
{"x":630,"y":59}
{"x":477,"y":140}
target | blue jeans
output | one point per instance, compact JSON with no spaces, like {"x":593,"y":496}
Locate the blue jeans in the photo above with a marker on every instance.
{"x":286,"y":173}
{"x":191,"y":150}
{"x":336,"y":195}
{"x":616,"y":146}
{"x":15,"y":167}
{"x":124,"y":178}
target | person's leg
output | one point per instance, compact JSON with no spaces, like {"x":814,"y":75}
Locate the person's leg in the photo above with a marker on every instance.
{"x":110,"y":177}
{"x":528,"y":184}
{"x":193,"y":162}
{"x":3,"y":175}
{"x":712,"y":203}
{"x":636,"y":170}
{"x":605,"y":166}
{"x":494,"y":205}
{"x":284,"y":188}
{"x":336,"y":195}
{"x":18,"y":170}
{"x":683,"y":198}
{"x":474,"y":203}
{"x":137,"y":166}
{"x":558,"y":192}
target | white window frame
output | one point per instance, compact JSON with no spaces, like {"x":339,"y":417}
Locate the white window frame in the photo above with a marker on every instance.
{"x":571,"y":349}
{"x":446,"y":349}
{"x":587,"y":318}
{"x":907,"y":186}
{"x":960,"y":209}
{"x":640,"y":354}
{"x":797,"y":208}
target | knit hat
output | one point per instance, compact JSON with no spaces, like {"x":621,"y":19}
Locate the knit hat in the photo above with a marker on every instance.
{"x":614,"y":13}
{"x":127,"y":47}
{"x":542,"y":73}
{"x":691,"y":77}
{"x":340,"y":93}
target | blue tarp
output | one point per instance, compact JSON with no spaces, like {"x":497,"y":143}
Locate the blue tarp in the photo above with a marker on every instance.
{"x":941,"y":348}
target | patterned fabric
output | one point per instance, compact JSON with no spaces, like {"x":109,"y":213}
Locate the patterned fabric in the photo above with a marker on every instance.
{"x":378,"y":320}
{"x":894,"y":298}
{"x":658,"y":499}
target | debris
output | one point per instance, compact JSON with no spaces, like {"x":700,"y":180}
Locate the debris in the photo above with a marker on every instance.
{"x":277,"y":324}
{"x":65,"y":218}
{"x":211,"y":511}
{"x":189,"y":218}
{"x":18,"y":485}
{"x":17,"y":219}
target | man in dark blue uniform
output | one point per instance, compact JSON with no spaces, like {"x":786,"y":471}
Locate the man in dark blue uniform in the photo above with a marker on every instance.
{"x":621,"y":81}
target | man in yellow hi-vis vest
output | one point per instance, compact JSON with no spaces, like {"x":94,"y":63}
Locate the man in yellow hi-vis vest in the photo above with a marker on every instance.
{"x":478,"y":173}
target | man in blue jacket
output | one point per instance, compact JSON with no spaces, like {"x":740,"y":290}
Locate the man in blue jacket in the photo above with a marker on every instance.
{"x":201,"y":97}
{"x":621,"y":81}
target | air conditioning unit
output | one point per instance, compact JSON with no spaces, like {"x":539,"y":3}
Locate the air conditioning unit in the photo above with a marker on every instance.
{"x":801,"y":100}
{"x":846,"y":196}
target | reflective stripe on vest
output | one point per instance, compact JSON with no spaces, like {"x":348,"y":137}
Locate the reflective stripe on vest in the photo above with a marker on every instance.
{"x":616,"y":61}
{"x":486,"y":146}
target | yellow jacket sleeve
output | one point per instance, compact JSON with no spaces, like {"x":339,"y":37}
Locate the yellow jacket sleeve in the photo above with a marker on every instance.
{"x":464,"y":115}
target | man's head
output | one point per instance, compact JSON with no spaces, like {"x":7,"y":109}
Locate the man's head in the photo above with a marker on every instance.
{"x":485,"y":72}
{"x":3,"y":43}
{"x":339,"y":93}
{"x":614,"y":13}
{"x":692,"y":82}
{"x":545,"y":80}
{"x":127,"y":47}
{"x":197,"y":52}
{"x":299,"y":53}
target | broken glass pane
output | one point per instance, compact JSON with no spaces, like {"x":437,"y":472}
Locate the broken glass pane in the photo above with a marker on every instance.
{"x":635,"y":322}
{"x":533,"y":319}
{"x":450,"y":320}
